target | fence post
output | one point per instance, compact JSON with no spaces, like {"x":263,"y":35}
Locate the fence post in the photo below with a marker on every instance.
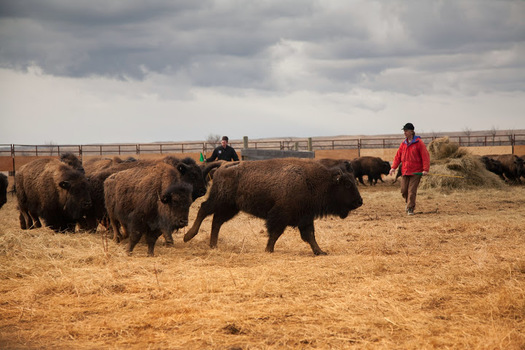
{"x":310,"y":144}
{"x":13,"y":157}
{"x":245,"y":141}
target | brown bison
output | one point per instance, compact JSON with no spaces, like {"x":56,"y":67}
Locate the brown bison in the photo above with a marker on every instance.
{"x":284,"y":192}
{"x":98,"y":171}
{"x":4,"y":182}
{"x":51,"y":190}
{"x":493,"y":165}
{"x":512,"y":166}
{"x":148,"y":200}
{"x":372,"y":167}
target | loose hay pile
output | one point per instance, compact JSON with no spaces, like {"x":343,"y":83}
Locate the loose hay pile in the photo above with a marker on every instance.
{"x":447,"y":158}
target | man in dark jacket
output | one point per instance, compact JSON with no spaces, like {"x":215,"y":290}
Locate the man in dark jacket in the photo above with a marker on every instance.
{"x":223,"y":152}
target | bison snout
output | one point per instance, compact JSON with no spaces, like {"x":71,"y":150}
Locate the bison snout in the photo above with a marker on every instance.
{"x":86,"y":204}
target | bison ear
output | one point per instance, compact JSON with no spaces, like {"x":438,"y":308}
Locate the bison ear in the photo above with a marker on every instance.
{"x":182,"y":168}
{"x":65,"y":185}
{"x":166,"y":198}
{"x":348,"y":167}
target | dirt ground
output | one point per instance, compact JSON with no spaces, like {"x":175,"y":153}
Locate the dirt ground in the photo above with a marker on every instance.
{"x":452,"y":277}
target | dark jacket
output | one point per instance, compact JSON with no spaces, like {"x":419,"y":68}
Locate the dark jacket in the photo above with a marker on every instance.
{"x":221,"y":153}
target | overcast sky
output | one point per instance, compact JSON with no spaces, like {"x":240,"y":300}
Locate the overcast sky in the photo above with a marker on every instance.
{"x":98,"y":71}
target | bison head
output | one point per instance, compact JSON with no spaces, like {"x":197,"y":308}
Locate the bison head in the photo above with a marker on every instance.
{"x":73,"y":195}
{"x":174,"y":206}
{"x":344,"y":193}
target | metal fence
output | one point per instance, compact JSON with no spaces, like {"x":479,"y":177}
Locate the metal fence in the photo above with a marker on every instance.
{"x":309,"y":144}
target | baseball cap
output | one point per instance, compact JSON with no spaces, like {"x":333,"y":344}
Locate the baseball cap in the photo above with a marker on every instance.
{"x":408,"y":126}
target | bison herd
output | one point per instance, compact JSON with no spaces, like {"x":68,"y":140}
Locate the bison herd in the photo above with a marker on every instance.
{"x":133,"y":198}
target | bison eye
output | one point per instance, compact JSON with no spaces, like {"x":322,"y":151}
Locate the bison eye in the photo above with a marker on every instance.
{"x":166,"y":199}
{"x":65,"y":185}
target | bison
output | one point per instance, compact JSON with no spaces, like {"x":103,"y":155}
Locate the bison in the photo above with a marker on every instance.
{"x":283,"y":192}
{"x":493,"y":165}
{"x":372,"y":167}
{"x":99,"y":170}
{"x":4,"y":182}
{"x":148,"y":200}
{"x":512,"y":166}
{"x":51,"y":190}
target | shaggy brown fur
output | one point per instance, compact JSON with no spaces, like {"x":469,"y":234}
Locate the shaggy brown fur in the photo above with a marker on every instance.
{"x":98,"y":171}
{"x":148,"y":200}
{"x":73,"y":161}
{"x":51,"y":190}
{"x":284,"y":192}
{"x":372,"y":167}
{"x":512,"y":166}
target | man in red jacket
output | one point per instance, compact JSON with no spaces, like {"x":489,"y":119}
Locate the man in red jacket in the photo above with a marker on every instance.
{"x":415,"y":162}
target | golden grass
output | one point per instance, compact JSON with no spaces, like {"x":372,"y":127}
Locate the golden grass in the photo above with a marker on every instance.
{"x":452,"y":276}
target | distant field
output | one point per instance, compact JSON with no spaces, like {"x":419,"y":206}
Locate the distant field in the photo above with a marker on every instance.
{"x":452,"y":276}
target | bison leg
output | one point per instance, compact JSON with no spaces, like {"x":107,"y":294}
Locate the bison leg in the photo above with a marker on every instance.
{"x":134,"y":238}
{"x":275,"y":228}
{"x":206,"y":209}
{"x":308,"y":235}
{"x":114,"y":228}
{"x":168,"y":237}
{"x":151,"y":240}
{"x":220,"y":217}
{"x":25,"y":220}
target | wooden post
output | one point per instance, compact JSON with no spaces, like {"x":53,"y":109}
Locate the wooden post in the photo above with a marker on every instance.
{"x":310,"y":144}
{"x":245,"y":141}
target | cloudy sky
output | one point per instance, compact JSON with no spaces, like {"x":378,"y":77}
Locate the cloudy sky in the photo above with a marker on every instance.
{"x":80,"y":72}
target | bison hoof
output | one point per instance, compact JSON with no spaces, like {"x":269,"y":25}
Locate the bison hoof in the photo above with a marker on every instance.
{"x":189,"y":235}
{"x":320,"y":252}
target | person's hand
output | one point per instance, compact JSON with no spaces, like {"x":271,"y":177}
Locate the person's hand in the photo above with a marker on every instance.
{"x":392,"y":171}
{"x":424,"y":173}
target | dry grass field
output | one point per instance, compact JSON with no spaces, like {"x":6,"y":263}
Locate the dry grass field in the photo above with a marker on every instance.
{"x":450,"y":277}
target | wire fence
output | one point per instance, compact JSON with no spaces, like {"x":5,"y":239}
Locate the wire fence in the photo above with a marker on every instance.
{"x":309,"y":144}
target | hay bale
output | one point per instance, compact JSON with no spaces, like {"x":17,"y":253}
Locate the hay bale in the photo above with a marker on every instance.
{"x":442,"y":148}
{"x":447,"y":158}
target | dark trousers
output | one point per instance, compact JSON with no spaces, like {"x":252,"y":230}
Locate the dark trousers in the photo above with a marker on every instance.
{"x":409,"y":184}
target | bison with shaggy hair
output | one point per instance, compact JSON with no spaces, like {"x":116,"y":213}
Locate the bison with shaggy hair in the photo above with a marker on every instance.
{"x":512,"y":166}
{"x":149,"y":201}
{"x":4,"y":182}
{"x":283,"y":192}
{"x":493,"y":165}
{"x":99,"y":170}
{"x":51,"y":190}
{"x":372,"y":167}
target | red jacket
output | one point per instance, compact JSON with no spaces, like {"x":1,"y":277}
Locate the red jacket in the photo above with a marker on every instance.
{"x":414,"y":157}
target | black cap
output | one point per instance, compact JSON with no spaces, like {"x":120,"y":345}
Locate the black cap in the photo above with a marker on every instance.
{"x":408,"y":126}
{"x":225,"y":138}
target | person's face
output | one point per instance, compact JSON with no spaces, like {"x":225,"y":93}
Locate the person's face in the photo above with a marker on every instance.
{"x":408,"y":133}
{"x":224,"y":143}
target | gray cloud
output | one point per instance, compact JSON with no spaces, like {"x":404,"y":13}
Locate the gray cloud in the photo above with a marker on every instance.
{"x":353,"y":56}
